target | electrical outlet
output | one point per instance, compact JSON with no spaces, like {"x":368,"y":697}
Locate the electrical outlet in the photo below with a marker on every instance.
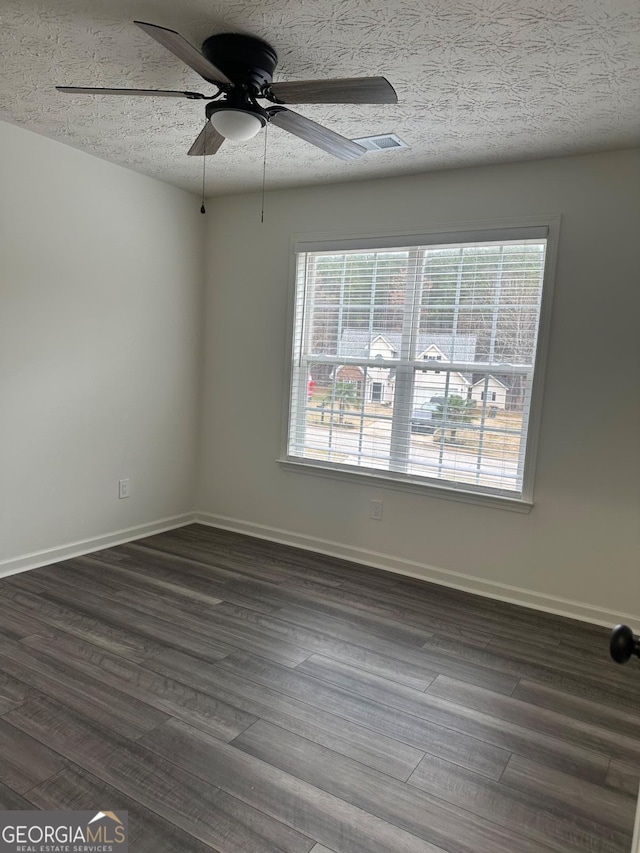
{"x":376,"y":510}
{"x":123,"y":488}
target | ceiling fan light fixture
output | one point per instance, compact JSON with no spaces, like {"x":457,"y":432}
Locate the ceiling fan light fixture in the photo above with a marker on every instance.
{"x":237,"y":125}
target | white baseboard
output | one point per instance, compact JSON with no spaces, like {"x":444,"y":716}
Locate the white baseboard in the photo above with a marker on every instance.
{"x":479,"y":586}
{"x":86,"y":546}
{"x":490,"y":589}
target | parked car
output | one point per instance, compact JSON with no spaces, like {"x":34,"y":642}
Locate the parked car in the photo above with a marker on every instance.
{"x":422,"y":419}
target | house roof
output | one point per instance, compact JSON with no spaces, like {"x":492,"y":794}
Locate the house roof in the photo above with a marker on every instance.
{"x":356,"y":343}
{"x":497,"y":381}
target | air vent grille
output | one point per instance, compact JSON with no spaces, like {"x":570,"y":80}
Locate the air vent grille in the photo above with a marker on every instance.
{"x":382,"y":142}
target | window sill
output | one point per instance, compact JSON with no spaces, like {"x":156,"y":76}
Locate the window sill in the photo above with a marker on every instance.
{"x":389,"y":480}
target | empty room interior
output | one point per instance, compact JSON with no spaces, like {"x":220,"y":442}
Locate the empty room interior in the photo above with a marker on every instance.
{"x":319,"y":426}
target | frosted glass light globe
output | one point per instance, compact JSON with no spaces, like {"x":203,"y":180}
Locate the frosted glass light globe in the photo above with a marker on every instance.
{"x":236,"y":124}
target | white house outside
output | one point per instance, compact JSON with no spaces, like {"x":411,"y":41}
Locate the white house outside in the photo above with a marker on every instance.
{"x":492,"y":390}
{"x":378,"y":383}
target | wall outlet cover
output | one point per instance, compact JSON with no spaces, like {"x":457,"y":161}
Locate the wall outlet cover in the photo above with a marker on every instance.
{"x":376,"y":510}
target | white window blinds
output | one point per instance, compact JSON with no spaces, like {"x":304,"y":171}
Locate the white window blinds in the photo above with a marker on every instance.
{"x":417,"y":362}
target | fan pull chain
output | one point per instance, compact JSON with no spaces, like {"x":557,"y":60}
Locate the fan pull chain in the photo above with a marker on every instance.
{"x":203,"y":209}
{"x":264,"y":171}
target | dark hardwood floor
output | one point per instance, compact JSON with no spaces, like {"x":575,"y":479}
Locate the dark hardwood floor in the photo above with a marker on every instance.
{"x":236,"y":695}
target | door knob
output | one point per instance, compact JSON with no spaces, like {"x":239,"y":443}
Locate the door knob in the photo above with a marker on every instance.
{"x":623,"y":644}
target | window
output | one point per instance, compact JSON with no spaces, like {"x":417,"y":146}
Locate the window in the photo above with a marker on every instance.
{"x":377,"y":309}
{"x":432,"y":358}
{"x":376,"y":392}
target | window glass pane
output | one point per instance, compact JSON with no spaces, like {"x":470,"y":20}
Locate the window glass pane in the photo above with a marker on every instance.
{"x":418,"y":361}
{"x":340,"y":419}
{"x":356,"y":296}
{"x":463,"y":438}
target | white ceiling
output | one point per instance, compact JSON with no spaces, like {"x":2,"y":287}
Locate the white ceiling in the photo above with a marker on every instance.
{"x":478,"y":81}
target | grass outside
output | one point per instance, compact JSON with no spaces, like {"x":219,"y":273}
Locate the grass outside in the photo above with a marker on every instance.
{"x":325,"y":455}
{"x":495,"y":442}
{"x":349,"y":417}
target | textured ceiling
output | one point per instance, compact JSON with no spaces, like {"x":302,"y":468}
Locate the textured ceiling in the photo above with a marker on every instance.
{"x":478,"y":81}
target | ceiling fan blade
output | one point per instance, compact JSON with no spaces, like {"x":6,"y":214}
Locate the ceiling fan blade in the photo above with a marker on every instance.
{"x":346,"y":90}
{"x":158,"y":93}
{"x":181,"y":48}
{"x":316,"y":134}
{"x":208,"y":141}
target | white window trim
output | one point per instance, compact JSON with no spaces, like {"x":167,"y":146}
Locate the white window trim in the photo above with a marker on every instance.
{"x":452,"y":232}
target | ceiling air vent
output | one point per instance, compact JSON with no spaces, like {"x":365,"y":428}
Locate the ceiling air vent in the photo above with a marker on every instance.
{"x":384,"y":142}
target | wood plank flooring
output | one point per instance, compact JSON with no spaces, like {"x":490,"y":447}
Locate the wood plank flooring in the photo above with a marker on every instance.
{"x":236,"y":695}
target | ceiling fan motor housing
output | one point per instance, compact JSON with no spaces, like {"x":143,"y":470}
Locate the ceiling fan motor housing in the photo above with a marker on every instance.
{"x":244,"y":59}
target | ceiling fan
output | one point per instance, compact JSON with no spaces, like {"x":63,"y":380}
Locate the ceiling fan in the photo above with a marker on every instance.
{"x":242,"y":69}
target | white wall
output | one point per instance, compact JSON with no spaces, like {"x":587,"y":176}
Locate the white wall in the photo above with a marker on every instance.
{"x":579,"y":545}
{"x":100,"y":295}
{"x":100,"y":287}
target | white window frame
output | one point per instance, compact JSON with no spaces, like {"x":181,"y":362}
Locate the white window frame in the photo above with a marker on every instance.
{"x":461,"y":232}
